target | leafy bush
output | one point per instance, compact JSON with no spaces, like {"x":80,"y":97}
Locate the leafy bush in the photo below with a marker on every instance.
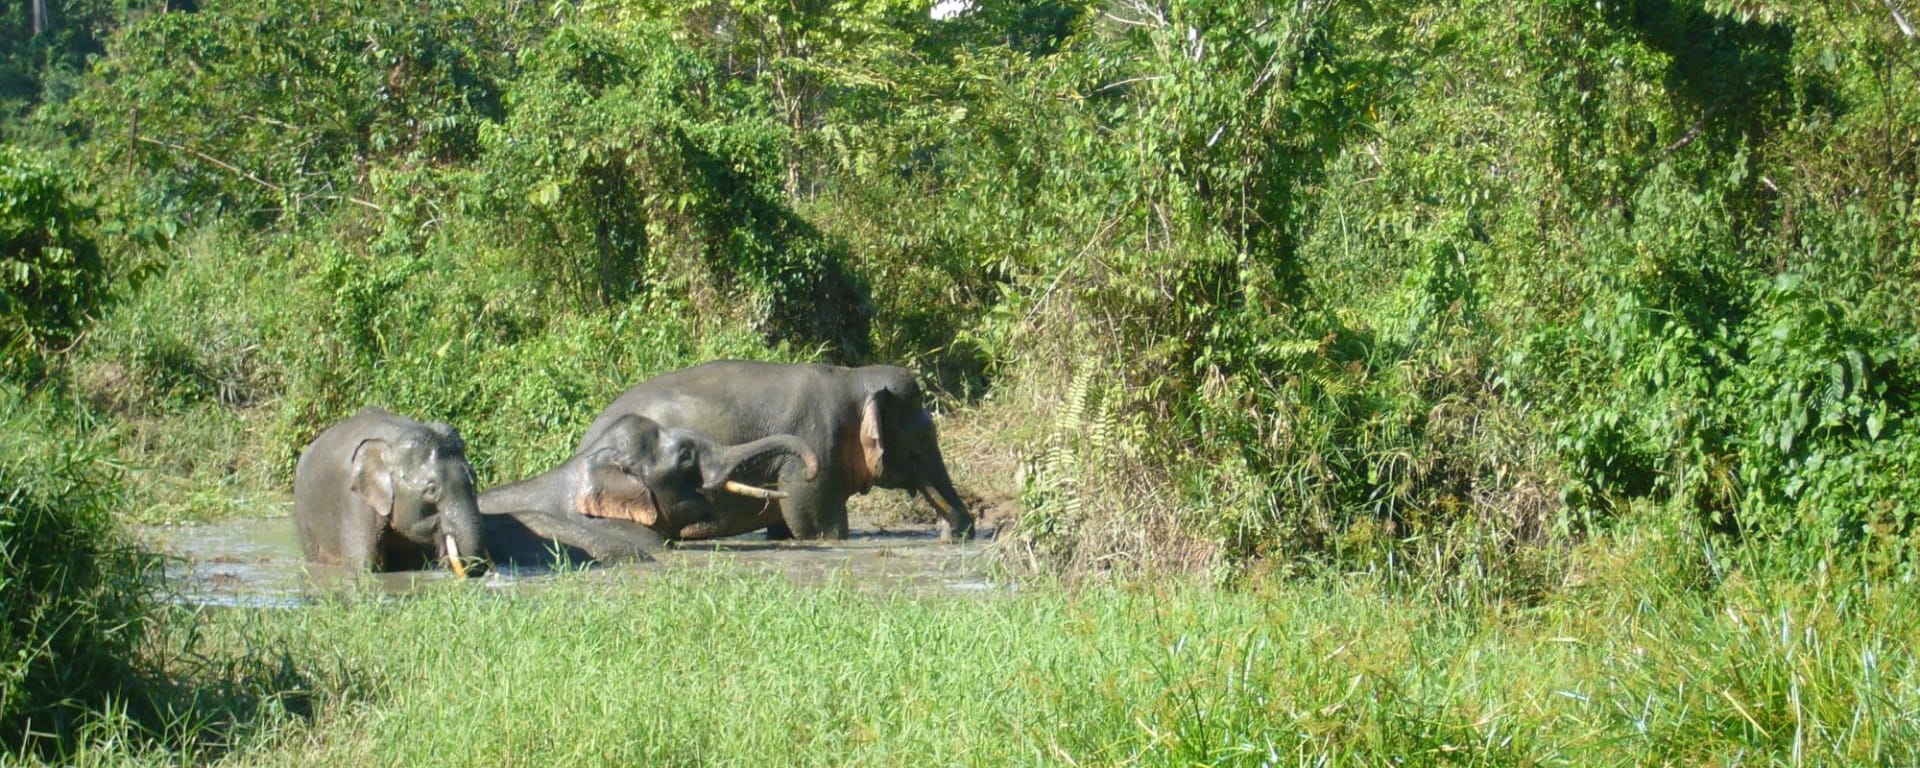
{"x":627,"y":164}
{"x":51,"y":274}
{"x":1825,"y":437}
{"x":272,"y":109}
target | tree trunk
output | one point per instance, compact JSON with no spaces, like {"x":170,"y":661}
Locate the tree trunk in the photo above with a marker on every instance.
{"x":39,"y":16}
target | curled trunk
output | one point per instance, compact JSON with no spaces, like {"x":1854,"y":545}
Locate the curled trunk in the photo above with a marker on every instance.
{"x":721,"y":468}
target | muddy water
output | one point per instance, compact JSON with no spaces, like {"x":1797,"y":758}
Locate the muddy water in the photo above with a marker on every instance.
{"x":257,"y":562}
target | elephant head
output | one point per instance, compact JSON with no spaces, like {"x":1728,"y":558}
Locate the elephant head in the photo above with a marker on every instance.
{"x":899,"y":447}
{"x":667,"y":478}
{"x":419,"y":482}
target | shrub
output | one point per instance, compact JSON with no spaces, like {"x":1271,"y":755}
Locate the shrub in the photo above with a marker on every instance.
{"x":626,"y":164}
{"x":273,"y":109}
{"x":51,"y":275}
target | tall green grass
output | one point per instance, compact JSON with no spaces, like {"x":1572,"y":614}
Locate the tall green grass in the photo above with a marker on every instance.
{"x":1630,"y":665}
{"x":73,"y":591}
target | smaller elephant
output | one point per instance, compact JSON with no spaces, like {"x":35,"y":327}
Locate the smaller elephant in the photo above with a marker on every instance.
{"x":636,"y":484}
{"x":384,"y":492}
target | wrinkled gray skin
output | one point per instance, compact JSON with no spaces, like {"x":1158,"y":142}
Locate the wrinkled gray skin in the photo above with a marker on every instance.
{"x":634,"y":484}
{"x":868,"y":426}
{"x":384,"y":492}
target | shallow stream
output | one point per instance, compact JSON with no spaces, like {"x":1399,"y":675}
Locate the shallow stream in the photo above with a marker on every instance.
{"x":256,"y":562}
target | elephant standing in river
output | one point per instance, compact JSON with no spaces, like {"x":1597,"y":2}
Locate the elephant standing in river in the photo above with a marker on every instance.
{"x":636,"y":483}
{"x":867,"y":425}
{"x":384,"y":492}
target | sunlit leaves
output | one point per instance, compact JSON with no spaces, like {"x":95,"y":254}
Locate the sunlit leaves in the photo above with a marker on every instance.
{"x":51,"y":274}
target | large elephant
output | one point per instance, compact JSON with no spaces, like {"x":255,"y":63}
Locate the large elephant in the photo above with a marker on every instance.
{"x":384,"y":492}
{"x":636,"y":482}
{"x":867,"y":425}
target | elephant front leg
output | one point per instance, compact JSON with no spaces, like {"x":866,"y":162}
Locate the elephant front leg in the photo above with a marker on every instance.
{"x":815,"y":512}
{"x":359,"y":541}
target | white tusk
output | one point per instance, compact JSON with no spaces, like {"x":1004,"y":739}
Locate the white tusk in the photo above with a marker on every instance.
{"x":453,"y":558}
{"x":758,"y":493}
{"x":938,"y":502}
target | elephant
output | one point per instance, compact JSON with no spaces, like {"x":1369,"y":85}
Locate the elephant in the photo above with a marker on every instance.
{"x":867,"y":425}
{"x":384,"y":492}
{"x":634,"y":485}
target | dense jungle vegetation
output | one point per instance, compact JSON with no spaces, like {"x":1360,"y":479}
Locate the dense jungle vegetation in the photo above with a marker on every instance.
{"x":1479,"y":328}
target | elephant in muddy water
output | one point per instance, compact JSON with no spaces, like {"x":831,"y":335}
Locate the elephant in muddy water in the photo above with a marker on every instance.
{"x":868,"y":426}
{"x":384,"y":492}
{"x":634,"y":485}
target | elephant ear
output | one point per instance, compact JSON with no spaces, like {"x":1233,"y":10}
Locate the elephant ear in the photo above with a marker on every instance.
{"x":372,"y":480}
{"x":872,"y":449}
{"x":612,"y":493}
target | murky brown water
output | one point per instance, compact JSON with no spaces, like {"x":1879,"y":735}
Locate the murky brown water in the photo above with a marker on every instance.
{"x":257,"y":562}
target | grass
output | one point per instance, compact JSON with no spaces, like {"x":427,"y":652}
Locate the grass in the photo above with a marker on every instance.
{"x":727,"y":667}
{"x":72,"y":589}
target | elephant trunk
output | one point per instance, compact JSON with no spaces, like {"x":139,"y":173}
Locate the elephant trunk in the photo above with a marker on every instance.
{"x":939,"y":491}
{"x":460,"y":542}
{"x":534,"y":494}
{"x":719,"y":472}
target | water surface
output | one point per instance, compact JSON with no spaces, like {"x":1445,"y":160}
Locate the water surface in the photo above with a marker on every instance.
{"x":257,"y":562}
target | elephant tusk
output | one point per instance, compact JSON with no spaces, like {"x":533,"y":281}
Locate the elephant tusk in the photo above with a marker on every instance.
{"x":453,"y":558}
{"x":939,"y":503}
{"x":758,"y":493}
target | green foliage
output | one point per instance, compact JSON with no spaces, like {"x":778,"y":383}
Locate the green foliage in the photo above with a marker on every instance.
{"x":1525,"y":235}
{"x":45,"y":67}
{"x":272,"y":109}
{"x":73,"y":593}
{"x":51,"y":275}
{"x":1826,"y":439}
{"x":632,"y":165}
{"x":1499,"y":303}
{"x":1352,"y":282}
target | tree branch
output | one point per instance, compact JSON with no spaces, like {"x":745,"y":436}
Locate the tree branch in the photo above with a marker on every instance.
{"x":1899,"y":18}
{"x":243,"y":173}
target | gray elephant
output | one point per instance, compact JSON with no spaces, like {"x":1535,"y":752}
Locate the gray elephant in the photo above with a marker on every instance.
{"x":868,"y":426}
{"x":634,"y":484}
{"x":384,"y":492}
